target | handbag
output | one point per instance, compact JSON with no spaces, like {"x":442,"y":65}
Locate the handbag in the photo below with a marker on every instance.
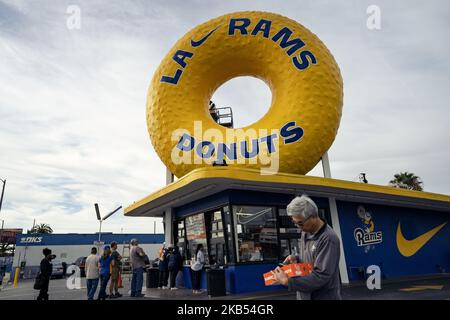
{"x":38,"y":282}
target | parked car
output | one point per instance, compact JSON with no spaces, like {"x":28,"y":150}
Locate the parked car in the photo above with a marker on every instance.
{"x":80,"y":263}
{"x":58,"y":270}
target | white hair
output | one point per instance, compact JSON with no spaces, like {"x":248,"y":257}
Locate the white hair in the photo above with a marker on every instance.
{"x":134,"y":242}
{"x":303,"y":206}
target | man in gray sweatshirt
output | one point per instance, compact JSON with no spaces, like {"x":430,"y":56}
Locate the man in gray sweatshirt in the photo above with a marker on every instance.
{"x":320,"y":246}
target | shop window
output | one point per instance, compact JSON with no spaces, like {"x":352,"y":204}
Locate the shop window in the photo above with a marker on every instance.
{"x":290,"y":234}
{"x":181,"y":239}
{"x":285,"y":223}
{"x":196,"y":234}
{"x":217,"y":250}
{"x":227,"y":223}
{"x":256,"y":233}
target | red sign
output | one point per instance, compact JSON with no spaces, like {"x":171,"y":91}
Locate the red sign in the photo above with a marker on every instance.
{"x":9,"y":235}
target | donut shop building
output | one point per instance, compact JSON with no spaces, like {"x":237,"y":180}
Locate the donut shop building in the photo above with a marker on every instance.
{"x":239,"y":213}
{"x":240,"y":217}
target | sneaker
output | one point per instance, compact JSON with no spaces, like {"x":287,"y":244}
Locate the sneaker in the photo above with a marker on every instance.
{"x":174,"y":288}
{"x":159,"y":288}
{"x":140,"y":295}
{"x":111,"y":296}
{"x":118,"y":295}
{"x":165,"y":288}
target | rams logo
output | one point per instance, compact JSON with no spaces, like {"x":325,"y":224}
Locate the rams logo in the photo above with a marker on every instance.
{"x":365,"y":235}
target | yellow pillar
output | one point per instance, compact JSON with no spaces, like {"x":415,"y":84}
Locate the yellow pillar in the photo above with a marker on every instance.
{"x":16,"y":277}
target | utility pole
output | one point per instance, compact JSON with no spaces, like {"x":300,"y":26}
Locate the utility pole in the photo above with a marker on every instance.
{"x":3,"y":191}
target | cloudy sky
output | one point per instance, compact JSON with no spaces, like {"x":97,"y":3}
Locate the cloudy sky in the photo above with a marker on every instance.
{"x":72,"y":101}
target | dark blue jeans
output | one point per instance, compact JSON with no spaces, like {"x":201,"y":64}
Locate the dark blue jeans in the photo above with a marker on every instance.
{"x":91,"y":288}
{"x":137,"y":281}
{"x":104,"y":278}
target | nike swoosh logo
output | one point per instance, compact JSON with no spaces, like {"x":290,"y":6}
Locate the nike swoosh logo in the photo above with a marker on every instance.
{"x":409,"y":248}
{"x":200,"y":42}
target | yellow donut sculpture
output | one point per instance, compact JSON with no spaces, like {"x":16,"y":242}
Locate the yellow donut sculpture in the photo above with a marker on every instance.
{"x":305,"y":81}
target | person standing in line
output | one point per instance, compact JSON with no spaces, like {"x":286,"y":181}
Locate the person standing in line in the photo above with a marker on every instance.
{"x":92,"y":273}
{"x":163,"y":270}
{"x":137,"y":259}
{"x":115,"y":272}
{"x":196,"y":267}
{"x":45,"y":272}
{"x":105,"y":268}
{"x":174,"y":265}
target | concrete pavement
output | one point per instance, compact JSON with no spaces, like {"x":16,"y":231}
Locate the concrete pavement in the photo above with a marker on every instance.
{"x":425,"y":288}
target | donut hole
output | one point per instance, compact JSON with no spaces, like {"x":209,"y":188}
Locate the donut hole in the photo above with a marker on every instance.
{"x":248,"y":97}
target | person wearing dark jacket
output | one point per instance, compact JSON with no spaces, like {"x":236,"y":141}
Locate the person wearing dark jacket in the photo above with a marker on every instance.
{"x":175,"y":261}
{"x":45,"y":271}
{"x":163,"y":270}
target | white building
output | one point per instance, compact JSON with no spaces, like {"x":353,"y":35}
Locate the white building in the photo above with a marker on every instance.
{"x":71,"y":246}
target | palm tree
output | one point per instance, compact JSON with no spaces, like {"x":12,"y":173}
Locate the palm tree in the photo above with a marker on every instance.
{"x":41,"y":228}
{"x":407,"y":180}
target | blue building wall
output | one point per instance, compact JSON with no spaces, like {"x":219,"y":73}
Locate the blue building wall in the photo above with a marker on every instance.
{"x":238,"y":278}
{"x":84,"y":239}
{"x":433,"y":257}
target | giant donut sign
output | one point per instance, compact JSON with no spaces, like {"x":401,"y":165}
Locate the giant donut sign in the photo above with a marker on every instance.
{"x":305,"y":81}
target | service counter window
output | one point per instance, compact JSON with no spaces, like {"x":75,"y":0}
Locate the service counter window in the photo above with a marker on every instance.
{"x":217,"y":241}
{"x":290,"y":234}
{"x":256,"y":233}
{"x":181,"y":239}
{"x":196,"y":234}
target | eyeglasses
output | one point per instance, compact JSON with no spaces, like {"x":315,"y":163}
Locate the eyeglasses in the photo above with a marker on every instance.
{"x":300,"y":223}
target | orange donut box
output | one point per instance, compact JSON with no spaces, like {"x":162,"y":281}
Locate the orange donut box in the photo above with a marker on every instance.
{"x":291,"y":270}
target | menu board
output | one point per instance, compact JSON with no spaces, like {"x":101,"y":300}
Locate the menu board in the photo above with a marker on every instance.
{"x":195,"y":227}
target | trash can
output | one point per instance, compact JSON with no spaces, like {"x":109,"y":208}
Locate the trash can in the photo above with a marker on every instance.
{"x":215,"y":282}
{"x":152,"y":277}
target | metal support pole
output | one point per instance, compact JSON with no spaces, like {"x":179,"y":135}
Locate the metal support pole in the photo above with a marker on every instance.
{"x":326,"y":165}
{"x":335,"y":220}
{"x":169,"y":176}
{"x":168,"y":215}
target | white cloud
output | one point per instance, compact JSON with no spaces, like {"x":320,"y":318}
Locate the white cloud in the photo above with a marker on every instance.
{"x":72,"y":105}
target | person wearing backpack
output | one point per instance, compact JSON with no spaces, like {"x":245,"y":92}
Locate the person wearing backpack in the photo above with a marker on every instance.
{"x":115,"y":272}
{"x":196,"y":268}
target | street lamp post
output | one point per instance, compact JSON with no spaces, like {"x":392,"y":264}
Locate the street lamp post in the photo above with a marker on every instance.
{"x":100,"y":219}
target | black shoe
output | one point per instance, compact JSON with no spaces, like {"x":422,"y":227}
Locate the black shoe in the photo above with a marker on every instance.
{"x":118,"y":295}
{"x":140,"y":295}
